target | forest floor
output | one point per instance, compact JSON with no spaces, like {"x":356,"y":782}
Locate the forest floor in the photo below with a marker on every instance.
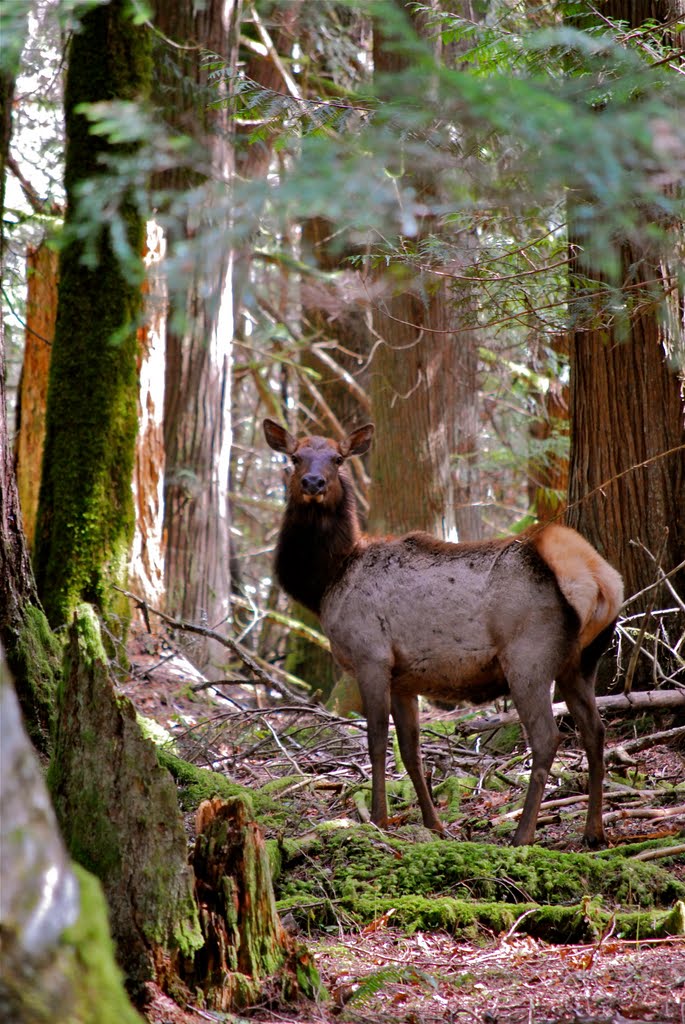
{"x":379,"y":975}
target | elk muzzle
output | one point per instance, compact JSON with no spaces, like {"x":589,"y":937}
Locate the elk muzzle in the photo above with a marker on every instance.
{"x":313,"y":487}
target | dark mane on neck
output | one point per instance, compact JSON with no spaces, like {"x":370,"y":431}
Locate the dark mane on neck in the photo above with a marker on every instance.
{"x":314,"y":543}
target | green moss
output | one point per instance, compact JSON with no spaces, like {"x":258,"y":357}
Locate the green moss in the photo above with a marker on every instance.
{"x":197,"y":784}
{"x":34,"y":656}
{"x":506,"y":739}
{"x":86,"y":516}
{"x":361,"y":874}
{"x":100,"y":997}
{"x":77,"y":980}
{"x":448,"y":797}
{"x":583,"y":922}
{"x":652,"y":924}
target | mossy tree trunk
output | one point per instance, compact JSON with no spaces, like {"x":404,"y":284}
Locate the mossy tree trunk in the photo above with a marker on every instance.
{"x":57,"y":964}
{"x":119,"y":815}
{"x":31,"y":649}
{"x":85,"y":516}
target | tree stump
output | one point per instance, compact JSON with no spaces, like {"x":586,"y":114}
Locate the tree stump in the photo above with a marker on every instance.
{"x":247,"y":956}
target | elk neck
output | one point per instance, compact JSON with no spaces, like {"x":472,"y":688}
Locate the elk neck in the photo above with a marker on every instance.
{"x":315,"y":542}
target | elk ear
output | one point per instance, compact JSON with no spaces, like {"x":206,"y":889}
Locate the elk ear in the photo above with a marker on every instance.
{"x":278,"y":438}
{"x":358,"y":442}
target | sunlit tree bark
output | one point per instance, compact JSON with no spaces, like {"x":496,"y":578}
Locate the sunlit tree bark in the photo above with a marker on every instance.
{"x":197,"y":425}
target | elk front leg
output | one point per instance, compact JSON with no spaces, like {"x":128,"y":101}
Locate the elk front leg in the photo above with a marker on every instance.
{"x":534,"y":705}
{"x":374,"y":686}
{"x":405,"y":713}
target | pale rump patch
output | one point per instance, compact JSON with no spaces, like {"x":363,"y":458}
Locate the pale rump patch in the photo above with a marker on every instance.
{"x":588,"y":583}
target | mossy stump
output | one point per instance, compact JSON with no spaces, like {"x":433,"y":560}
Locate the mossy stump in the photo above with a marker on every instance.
{"x":247,"y":956}
{"x":119,"y":815}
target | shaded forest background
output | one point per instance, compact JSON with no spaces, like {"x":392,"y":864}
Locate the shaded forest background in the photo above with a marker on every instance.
{"x":460,"y":221}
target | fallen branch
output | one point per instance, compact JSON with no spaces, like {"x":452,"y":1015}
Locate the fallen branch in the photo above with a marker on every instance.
{"x":650,"y":813}
{"x":618,"y":702}
{"x":250,"y":661}
{"x":643,"y":742}
{"x":664,"y":851}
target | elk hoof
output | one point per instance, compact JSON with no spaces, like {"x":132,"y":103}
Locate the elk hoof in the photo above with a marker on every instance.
{"x":595,"y":842}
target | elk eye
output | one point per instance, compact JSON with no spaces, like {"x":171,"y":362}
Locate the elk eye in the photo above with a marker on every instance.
{"x":296,"y":460}
{"x":338,"y":460}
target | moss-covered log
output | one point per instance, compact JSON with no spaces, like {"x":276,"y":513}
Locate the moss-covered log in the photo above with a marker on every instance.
{"x":85,"y":516}
{"x":119,"y":814}
{"x":247,"y":956}
{"x":463,"y":887}
{"x":57,"y":964}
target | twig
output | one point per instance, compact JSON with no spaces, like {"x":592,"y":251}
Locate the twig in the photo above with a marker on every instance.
{"x":635,"y":653}
{"x":517,"y":922}
{"x":662,"y":579}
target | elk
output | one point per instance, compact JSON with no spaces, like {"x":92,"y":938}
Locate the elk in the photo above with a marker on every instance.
{"x":414,"y":615}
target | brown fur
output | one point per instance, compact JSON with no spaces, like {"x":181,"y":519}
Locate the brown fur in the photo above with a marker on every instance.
{"x":415,"y":615}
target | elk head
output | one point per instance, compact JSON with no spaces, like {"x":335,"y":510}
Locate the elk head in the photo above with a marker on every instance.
{"x":316,"y":461}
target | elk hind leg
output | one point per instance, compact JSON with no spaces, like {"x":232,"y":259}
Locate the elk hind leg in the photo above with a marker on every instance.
{"x":405,"y":713}
{"x":578,"y":690}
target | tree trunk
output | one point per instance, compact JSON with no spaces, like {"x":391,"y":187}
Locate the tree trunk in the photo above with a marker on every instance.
{"x":423,"y":385}
{"x":41,"y":311}
{"x":85,"y":515}
{"x":119,"y":815}
{"x":147,"y":557}
{"x":57,"y":964}
{"x":197,"y":424}
{"x":548,"y":469}
{"x":627,"y":471}
{"x":32,"y":651}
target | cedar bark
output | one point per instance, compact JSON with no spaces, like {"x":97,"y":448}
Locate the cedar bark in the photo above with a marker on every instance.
{"x":423,"y":385}
{"x":627,"y":471}
{"x":41,"y":312}
{"x":147,"y":555}
{"x":197,"y":425}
